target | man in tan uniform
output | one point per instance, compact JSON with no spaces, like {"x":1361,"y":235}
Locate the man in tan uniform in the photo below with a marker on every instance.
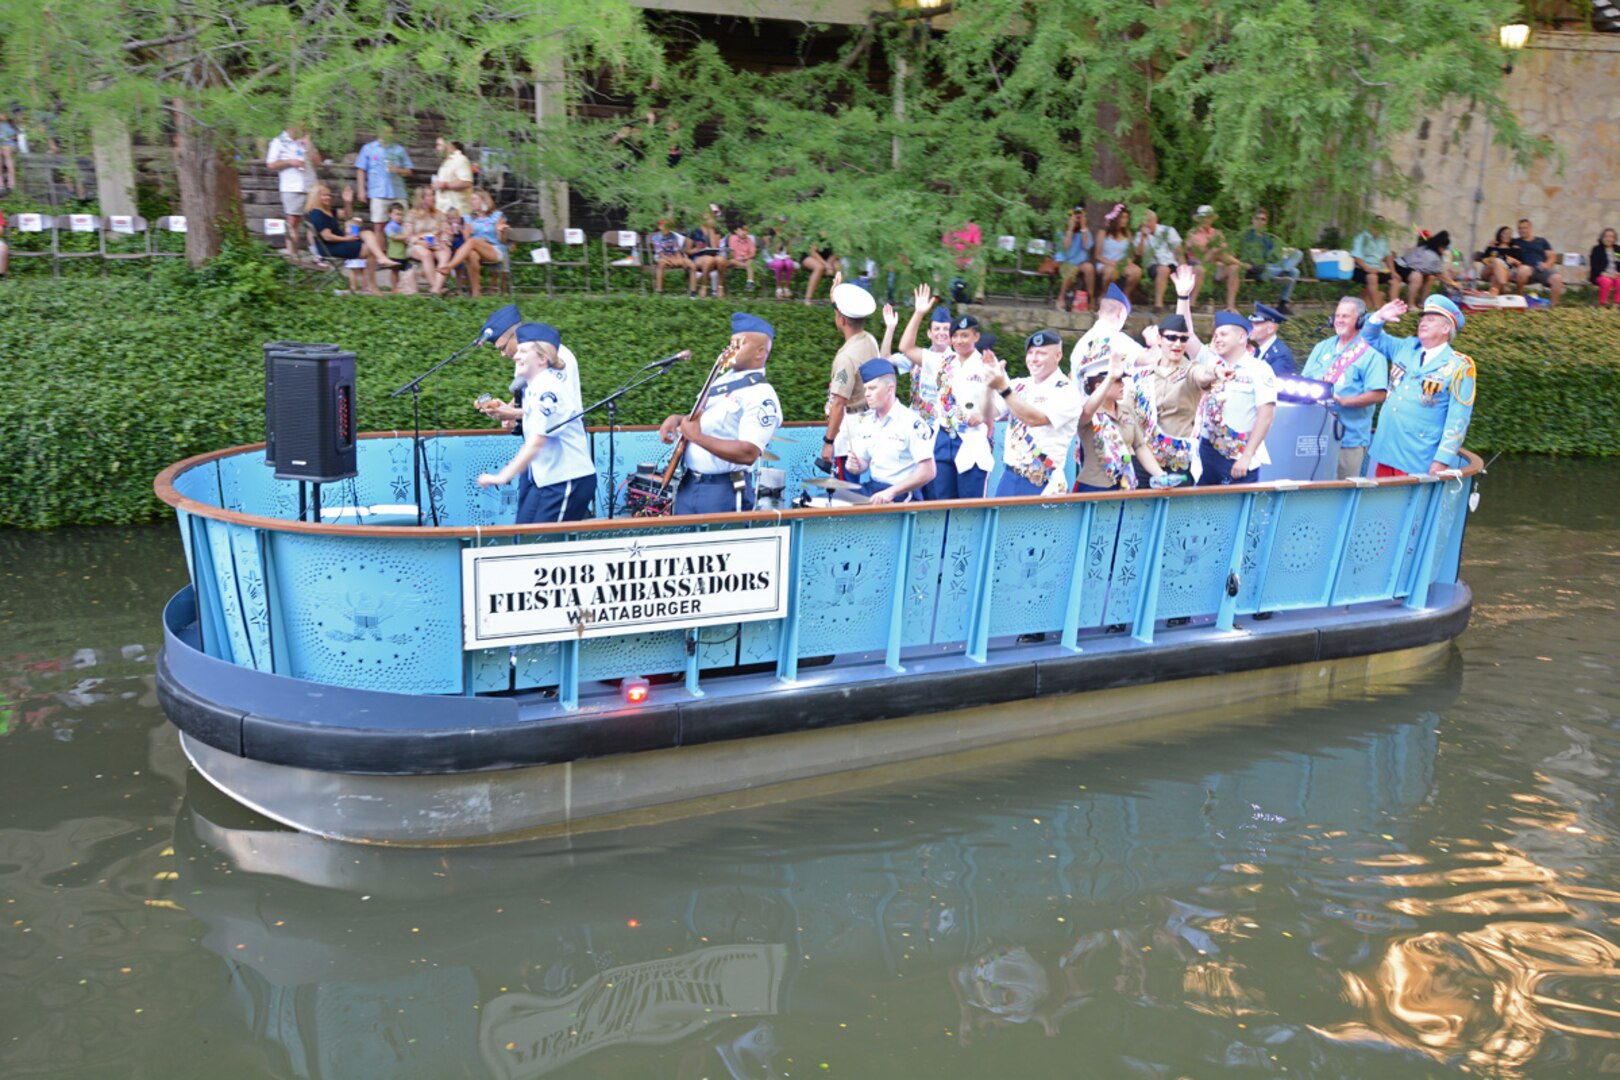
{"x":846,"y":392}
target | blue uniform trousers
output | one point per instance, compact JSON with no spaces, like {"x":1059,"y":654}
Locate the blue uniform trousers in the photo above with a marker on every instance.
{"x":701,"y":493}
{"x":950,"y":482}
{"x":1012,"y":484}
{"x":872,"y":487}
{"x":569,"y":500}
{"x":1218,"y":468}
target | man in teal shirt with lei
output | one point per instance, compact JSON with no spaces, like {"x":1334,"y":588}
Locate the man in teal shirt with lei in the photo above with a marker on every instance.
{"x":1360,"y":377}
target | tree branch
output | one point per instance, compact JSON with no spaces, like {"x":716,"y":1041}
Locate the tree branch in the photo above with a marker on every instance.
{"x":169,"y":39}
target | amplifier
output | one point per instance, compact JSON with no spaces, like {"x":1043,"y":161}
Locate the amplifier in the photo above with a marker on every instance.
{"x":271,"y":350}
{"x":313,"y":422}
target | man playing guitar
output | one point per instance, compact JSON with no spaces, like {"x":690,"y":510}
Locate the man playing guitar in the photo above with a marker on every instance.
{"x":730,"y":426}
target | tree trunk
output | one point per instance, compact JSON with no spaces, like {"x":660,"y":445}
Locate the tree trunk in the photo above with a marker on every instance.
{"x":550,"y":113}
{"x":115,"y":168}
{"x":1117,"y":153}
{"x":210,"y":190}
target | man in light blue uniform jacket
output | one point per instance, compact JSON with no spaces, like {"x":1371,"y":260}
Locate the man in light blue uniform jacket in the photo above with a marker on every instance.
{"x":1422,"y":424}
{"x":1360,"y":377}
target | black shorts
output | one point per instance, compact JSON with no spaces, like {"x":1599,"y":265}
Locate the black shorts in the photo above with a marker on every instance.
{"x":705,"y":253}
{"x":1404,"y":272}
{"x":1359,"y":276}
{"x":1538,"y":276}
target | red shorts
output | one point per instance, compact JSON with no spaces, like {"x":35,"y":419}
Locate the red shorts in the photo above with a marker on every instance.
{"x":1385,"y":470}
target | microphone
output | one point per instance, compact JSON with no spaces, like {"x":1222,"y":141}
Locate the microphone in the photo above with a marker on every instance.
{"x":684,"y":354}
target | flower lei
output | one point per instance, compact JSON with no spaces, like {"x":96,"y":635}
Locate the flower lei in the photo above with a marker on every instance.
{"x":1229,"y":442}
{"x":1116,"y":456}
{"x":1174,"y":454}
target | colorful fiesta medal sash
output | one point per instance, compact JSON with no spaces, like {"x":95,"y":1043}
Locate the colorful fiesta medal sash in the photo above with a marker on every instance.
{"x":1173,"y":454}
{"x":1040,"y":469}
{"x":1228,"y":442}
{"x":925,"y":395}
{"x":1345,"y":359}
{"x":1116,"y":456}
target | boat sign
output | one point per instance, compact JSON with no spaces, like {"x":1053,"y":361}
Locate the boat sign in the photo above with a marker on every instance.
{"x":622,"y":585}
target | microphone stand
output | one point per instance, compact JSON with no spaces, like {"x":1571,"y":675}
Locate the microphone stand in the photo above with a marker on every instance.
{"x":647,"y":374}
{"x":418,"y":463}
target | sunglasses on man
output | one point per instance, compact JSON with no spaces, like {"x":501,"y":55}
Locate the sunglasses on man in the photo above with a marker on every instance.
{"x":1174,"y":337}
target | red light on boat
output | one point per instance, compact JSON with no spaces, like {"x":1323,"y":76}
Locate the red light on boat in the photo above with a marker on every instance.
{"x":635,"y":690}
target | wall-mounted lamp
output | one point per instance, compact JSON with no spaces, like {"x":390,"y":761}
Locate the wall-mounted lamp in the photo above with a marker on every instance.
{"x":1513,"y":36}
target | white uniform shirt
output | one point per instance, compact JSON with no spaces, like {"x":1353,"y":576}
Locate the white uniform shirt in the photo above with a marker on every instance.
{"x":292,"y":178}
{"x":1254,"y":385}
{"x":1060,"y":399}
{"x":552,"y":397}
{"x":969,"y":386}
{"x":1100,"y":344}
{"x":735,"y":410}
{"x":891,"y":445}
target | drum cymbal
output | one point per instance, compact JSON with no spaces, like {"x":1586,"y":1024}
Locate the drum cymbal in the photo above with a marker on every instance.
{"x":766,"y":455}
{"x":830,"y":483}
{"x":780,"y":438}
{"x":851,"y":498}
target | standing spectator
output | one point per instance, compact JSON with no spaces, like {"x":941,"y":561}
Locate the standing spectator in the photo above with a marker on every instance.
{"x":779,"y":257}
{"x":1497,"y":261}
{"x":483,"y":240}
{"x":1159,"y":249}
{"x":1424,"y":264}
{"x":454,"y":179}
{"x":1207,"y":251}
{"x":1603,"y":266}
{"x":741,"y":251}
{"x":1539,"y":263}
{"x":1268,"y":262}
{"x":293,"y":157}
{"x":1113,"y":253}
{"x":8,"y":154}
{"x":381,"y":171}
{"x":668,"y":251}
{"x":1073,"y":259}
{"x":1375,"y":264}
{"x":966,"y":242}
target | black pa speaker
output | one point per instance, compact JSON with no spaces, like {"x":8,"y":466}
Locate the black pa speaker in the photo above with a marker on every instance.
{"x":313,"y":427}
{"x":271,"y":350}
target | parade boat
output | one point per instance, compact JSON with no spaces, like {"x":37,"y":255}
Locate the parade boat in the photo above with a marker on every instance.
{"x":354,"y":674}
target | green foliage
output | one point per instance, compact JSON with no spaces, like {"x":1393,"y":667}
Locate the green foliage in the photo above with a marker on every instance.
{"x":109,"y":382}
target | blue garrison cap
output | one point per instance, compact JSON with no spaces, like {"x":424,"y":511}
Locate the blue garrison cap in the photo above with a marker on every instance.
{"x":539,"y":331}
{"x":942,"y":313}
{"x":876,"y":369}
{"x":1043,"y":337}
{"x":987,"y":342}
{"x":1116,"y":293}
{"x":1266,"y":313}
{"x":965,"y":322}
{"x":499,"y":323}
{"x":744,"y":323}
{"x":1231,"y":318}
{"x":1440,"y":305}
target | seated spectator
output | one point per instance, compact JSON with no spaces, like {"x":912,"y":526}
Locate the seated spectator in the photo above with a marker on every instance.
{"x":705,"y":247}
{"x":1210,"y":257}
{"x":1159,"y":249}
{"x":779,"y":257}
{"x":1603,"y":266}
{"x":1267,"y":261}
{"x":1113,"y":252}
{"x":424,"y":233}
{"x":668,"y":252}
{"x":819,"y":261}
{"x":1538,"y":262}
{"x":1375,"y":264}
{"x":1496,"y":263}
{"x":334,"y":241}
{"x":398,"y":249}
{"x":966,"y":242}
{"x":1072,"y":258}
{"x":1424,"y":266}
{"x":483,"y":240}
{"x":740,"y":251}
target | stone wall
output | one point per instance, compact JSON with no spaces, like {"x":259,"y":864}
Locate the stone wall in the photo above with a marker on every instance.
{"x":1562,"y":87}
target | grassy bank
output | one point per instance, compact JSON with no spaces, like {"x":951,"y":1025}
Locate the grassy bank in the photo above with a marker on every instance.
{"x":102,"y":384}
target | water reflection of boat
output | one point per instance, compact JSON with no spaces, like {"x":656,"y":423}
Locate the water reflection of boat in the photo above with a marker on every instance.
{"x":473,"y":680}
{"x":478,"y":954}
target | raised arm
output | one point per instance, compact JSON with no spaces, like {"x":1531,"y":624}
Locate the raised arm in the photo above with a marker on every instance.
{"x":922,"y":301}
{"x":1373,"y":332}
{"x":1184,"y":279}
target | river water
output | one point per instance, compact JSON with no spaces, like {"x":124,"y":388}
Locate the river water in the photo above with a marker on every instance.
{"x":1416,"y":881}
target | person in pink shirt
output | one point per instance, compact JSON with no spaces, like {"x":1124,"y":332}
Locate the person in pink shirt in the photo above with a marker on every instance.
{"x":966,"y":241}
{"x":741,"y":249}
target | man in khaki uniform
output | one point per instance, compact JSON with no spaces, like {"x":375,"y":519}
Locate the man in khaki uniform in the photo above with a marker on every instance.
{"x":846,"y":392}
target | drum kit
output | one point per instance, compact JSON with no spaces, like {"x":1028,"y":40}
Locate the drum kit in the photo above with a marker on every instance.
{"x":838,"y":492}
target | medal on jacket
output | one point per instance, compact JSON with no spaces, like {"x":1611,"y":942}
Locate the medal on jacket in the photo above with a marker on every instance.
{"x":1396,"y":374}
{"x":1435,"y":381}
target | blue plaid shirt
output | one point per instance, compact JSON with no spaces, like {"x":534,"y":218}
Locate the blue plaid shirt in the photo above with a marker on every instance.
{"x":375,"y":158}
